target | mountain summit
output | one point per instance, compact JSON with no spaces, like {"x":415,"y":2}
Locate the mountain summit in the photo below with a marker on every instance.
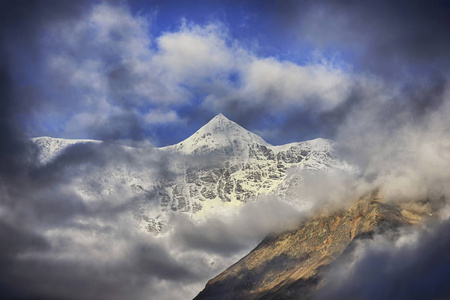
{"x":220,"y":136}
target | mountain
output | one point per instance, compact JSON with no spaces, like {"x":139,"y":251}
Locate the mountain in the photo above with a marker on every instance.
{"x":292,"y":265}
{"x":229,"y":165}
{"x":220,"y":167}
{"x":49,"y":147}
{"x":219,"y":136}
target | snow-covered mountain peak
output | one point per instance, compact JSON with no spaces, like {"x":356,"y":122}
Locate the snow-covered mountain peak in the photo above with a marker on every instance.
{"x":219,"y":118}
{"x":235,"y":166}
{"x":220,"y":135}
{"x":318,"y":144}
{"x":49,"y":147}
{"x":221,"y":125}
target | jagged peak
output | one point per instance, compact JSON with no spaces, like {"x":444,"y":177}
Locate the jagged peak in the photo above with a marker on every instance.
{"x":221,"y":119}
{"x":220,"y":116}
{"x":221,"y":123}
{"x":219,"y":133}
{"x":224,"y":136}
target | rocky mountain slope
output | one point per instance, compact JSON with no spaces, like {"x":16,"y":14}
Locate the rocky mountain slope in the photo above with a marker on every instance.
{"x":221,"y":166}
{"x":228,"y":165}
{"x":291,"y":265}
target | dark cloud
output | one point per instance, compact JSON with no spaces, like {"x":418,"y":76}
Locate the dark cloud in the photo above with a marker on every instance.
{"x":126,"y":125}
{"x":119,"y":279}
{"x":214,"y":237}
{"x":13,"y":149}
{"x":417,"y":270}
{"x":155,"y":261}
{"x":20,"y":26}
{"x":25,"y":202}
{"x":17,"y":239}
{"x":386,"y":36}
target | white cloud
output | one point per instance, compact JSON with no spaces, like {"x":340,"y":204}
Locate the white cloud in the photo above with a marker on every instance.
{"x":195,"y":53}
{"x":114,"y":26}
{"x":109,"y":55}
{"x":157,"y":116}
{"x":284,"y":83}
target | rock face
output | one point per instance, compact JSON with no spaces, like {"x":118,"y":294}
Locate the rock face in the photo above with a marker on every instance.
{"x":220,"y":166}
{"x":228,"y":165}
{"x":246,"y":172}
{"x":290,"y":265}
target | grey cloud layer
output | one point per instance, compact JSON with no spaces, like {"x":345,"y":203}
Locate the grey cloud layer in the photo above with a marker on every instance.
{"x":61,"y":246}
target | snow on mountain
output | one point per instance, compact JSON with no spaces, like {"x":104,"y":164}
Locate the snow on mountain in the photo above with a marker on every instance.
{"x":50,"y":147}
{"x":218,"y":168}
{"x":219,"y":136}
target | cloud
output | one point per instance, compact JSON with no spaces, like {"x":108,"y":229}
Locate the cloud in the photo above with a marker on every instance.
{"x":415,"y":266}
{"x":196,"y":53}
{"x":94,"y":70}
{"x":320,"y":87}
{"x":106,"y":59}
{"x":384,"y":37}
{"x":229,"y":232}
{"x":61,"y":217}
{"x":396,"y":147}
{"x":161,"y":117}
{"x":107,"y":71}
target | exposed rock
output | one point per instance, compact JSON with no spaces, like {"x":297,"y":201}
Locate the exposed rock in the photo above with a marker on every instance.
{"x":290,"y":265}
